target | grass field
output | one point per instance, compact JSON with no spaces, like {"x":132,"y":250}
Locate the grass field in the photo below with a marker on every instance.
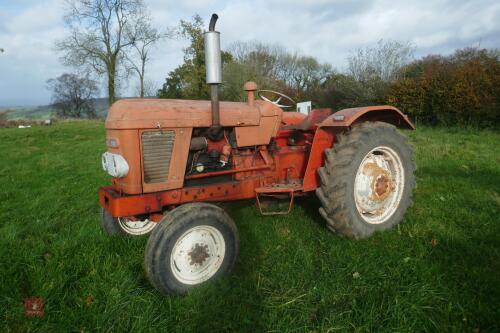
{"x":439,"y":271}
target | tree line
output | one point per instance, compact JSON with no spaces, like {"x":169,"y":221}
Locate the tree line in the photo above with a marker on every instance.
{"x":112,"y":39}
{"x":459,"y":89}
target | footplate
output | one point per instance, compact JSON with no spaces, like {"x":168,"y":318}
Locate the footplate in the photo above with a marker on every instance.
{"x":277,"y":191}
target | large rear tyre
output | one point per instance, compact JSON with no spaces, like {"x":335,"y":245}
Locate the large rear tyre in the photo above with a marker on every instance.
{"x":125,"y":226}
{"x":193,"y":244}
{"x":367,"y":180}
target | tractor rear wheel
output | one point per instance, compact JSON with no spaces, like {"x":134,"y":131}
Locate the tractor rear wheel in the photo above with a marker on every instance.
{"x":367,"y":180}
{"x":193,"y":244}
{"x":125,"y":226}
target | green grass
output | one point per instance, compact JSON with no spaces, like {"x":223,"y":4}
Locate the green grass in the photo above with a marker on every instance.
{"x":438,"y":271}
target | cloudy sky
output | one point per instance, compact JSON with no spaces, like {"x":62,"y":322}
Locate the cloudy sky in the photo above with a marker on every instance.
{"x":326,"y":29}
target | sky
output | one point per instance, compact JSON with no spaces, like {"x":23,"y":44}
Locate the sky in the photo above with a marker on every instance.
{"x":326,"y":29}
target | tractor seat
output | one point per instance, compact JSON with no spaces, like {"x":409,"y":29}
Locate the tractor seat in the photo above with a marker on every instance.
{"x":311,"y":120}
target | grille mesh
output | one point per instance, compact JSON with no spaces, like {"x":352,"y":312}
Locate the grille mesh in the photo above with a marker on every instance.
{"x":156,"y":153}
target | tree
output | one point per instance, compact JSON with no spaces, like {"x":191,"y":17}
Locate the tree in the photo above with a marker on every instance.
{"x":272,"y":67}
{"x":148,"y":87}
{"x":72,"y":96}
{"x":251,"y":61}
{"x":382,"y":62}
{"x":188,"y":80}
{"x":100,"y":30}
{"x":305,"y":75}
{"x":370,"y":71}
{"x":146,"y":37}
{"x":459,"y":89}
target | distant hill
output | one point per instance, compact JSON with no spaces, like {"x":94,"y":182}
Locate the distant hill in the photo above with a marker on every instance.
{"x":47,"y":111}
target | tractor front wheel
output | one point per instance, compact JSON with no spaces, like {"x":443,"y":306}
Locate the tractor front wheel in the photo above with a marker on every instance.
{"x":193,"y":243}
{"x":125,"y":226}
{"x":367,"y":180}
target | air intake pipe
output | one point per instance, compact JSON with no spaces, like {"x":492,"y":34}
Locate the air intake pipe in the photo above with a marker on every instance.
{"x":213,"y":64}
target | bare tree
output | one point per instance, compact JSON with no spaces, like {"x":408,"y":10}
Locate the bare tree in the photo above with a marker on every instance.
{"x":100,"y":30}
{"x":72,"y":96}
{"x":382,"y":62}
{"x":146,"y":36}
{"x":273,"y":67}
{"x":304,"y":73}
{"x":148,"y":86}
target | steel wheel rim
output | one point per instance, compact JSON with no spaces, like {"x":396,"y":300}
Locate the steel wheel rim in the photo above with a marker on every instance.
{"x":197,"y":254}
{"x":379,"y":185}
{"x":138,"y":227}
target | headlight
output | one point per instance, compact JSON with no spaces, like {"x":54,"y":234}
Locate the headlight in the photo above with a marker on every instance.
{"x":115,"y":165}
{"x":112,"y":143}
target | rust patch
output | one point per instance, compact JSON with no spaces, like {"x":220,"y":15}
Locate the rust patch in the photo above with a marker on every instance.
{"x":199,"y":254}
{"x":382,"y":184}
{"x":372,"y":169}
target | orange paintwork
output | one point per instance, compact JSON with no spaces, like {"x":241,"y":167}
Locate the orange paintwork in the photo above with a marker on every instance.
{"x":250,"y":87}
{"x":385,"y":113}
{"x":268,"y":127}
{"x":120,"y":205}
{"x":177,"y":164}
{"x":129,"y":148}
{"x":292,"y":118}
{"x":323,"y":139}
{"x":171,"y":113}
{"x":262,"y":165}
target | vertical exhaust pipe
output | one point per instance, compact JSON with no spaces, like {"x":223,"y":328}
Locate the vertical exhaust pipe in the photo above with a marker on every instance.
{"x":213,"y":64}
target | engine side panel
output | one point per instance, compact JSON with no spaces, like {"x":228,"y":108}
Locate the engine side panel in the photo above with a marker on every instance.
{"x":257,"y":135}
{"x":174,"y":178}
{"x":168,"y":113}
{"x":270,"y":121}
{"x":126,"y":144}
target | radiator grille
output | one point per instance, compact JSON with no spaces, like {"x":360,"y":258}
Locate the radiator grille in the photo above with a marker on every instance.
{"x":156,"y":153}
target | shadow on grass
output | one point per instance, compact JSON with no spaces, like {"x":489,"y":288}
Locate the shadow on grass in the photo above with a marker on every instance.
{"x":467,"y":266}
{"x":231,"y":303}
{"x":310,"y":204}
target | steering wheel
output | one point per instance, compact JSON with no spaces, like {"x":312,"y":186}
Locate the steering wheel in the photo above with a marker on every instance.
{"x":276,"y":97}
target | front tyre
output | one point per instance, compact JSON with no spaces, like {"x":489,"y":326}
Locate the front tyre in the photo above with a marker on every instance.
{"x":367,"y":180}
{"x":124,"y":225}
{"x":193,"y":244}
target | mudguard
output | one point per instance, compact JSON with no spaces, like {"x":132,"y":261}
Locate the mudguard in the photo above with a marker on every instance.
{"x":340,"y":121}
{"x":386,"y":113}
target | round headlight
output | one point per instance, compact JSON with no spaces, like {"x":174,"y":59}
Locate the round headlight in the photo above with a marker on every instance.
{"x":115,"y":165}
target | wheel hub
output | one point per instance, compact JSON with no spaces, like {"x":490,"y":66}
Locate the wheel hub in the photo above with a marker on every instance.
{"x":378,"y":185}
{"x":382,"y":186}
{"x":199,"y":254}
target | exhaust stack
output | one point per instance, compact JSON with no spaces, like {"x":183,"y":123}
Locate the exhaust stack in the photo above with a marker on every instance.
{"x":213,"y":64}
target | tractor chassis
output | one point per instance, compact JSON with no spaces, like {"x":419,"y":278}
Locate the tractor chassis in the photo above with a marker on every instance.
{"x":121,"y":205}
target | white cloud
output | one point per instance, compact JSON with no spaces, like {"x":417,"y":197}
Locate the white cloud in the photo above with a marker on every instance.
{"x":29,"y":59}
{"x":326,"y":29}
{"x":32,"y":19}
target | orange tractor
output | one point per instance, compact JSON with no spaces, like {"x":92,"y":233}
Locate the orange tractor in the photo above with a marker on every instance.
{"x":170,"y":159}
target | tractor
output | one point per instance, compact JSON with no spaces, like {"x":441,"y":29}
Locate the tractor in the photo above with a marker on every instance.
{"x":170,"y":160}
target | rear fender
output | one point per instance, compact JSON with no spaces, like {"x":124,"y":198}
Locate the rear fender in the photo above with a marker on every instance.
{"x":339,"y":122}
{"x":323,"y":139}
{"x":345,"y":118}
